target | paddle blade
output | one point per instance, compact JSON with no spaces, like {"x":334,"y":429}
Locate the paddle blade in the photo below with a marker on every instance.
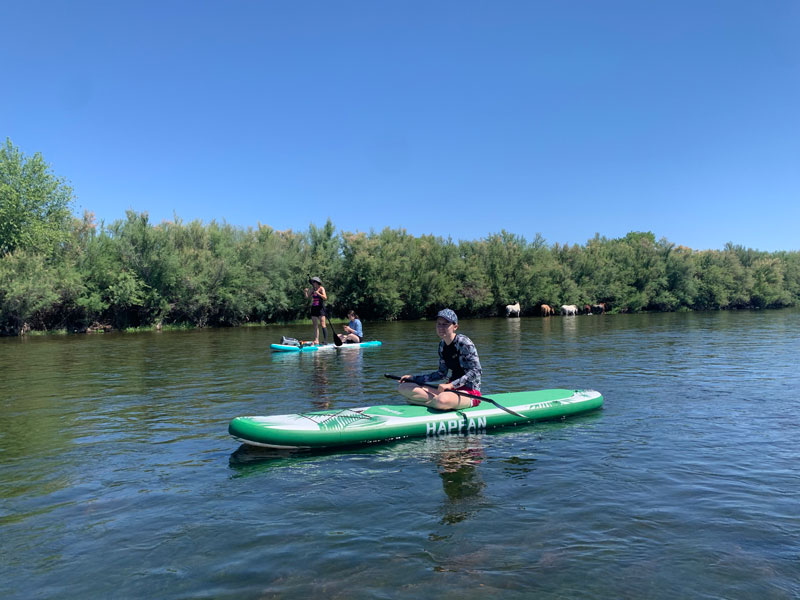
{"x":336,"y":340}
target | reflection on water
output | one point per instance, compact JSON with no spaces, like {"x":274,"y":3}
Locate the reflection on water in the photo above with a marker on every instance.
{"x":510,"y":337}
{"x":117,"y":473}
{"x":519,"y":468}
{"x":461,"y":480}
{"x":513,"y":333}
{"x":327,"y":376}
{"x":249,"y":461}
{"x":569,"y":325}
{"x":352,"y":362}
{"x":319,"y":392}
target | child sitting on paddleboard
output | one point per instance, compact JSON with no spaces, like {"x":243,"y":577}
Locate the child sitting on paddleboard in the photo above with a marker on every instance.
{"x":458,"y":355}
{"x":353,"y":332}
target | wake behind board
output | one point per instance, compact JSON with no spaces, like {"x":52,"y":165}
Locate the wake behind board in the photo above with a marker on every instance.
{"x":287,"y":348}
{"x":323,"y":429}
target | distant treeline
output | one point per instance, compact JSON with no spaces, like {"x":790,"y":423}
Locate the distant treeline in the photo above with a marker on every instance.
{"x":60,"y":272}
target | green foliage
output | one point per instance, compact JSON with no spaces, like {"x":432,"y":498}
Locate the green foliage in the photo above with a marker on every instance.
{"x":58,"y":272}
{"x":368,"y":283}
{"x":768,"y":290}
{"x":35,"y":205}
{"x":134,"y":274}
{"x":28,"y":291}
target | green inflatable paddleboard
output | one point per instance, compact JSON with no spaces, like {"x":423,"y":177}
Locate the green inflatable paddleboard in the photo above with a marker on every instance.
{"x":350,"y":426}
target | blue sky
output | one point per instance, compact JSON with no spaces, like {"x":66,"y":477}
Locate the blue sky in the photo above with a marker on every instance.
{"x":458,"y":118}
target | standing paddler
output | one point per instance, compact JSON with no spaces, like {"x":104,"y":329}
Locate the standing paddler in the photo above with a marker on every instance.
{"x":318,"y":298}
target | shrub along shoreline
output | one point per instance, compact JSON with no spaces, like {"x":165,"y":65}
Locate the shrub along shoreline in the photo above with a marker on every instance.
{"x":61,"y":273}
{"x":134,"y":274}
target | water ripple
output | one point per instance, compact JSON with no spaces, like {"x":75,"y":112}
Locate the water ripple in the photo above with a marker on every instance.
{"x":119,"y":479}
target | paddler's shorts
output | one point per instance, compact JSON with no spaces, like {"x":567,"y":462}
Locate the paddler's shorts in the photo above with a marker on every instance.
{"x":475,"y":401}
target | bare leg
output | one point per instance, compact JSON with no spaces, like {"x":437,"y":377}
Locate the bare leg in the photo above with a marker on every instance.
{"x":315,"y":321}
{"x":424,"y":396}
{"x":324,"y":331}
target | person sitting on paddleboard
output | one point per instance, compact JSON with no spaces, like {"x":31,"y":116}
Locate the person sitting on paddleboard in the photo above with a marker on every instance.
{"x":353,"y":332}
{"x":318,"y":297}
{"x":458,"y":355}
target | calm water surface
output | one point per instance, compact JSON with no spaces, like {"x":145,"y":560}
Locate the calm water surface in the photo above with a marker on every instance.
{"x":118,"y":478}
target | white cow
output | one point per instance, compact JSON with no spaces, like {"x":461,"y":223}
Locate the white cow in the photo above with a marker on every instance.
{"x":569,"y":310}
{"x":513,"y":310}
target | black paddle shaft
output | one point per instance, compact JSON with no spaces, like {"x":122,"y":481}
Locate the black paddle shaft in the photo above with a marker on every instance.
{"x":467,"y":394}
{"x":336,"y":340}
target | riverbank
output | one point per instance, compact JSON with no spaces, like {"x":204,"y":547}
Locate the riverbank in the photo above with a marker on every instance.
{"x":106,"y":328}
{"x":99,"y":328}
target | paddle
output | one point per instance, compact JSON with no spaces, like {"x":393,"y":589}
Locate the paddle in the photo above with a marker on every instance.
{"x":336,"y":340}
{"x":466,"y":394}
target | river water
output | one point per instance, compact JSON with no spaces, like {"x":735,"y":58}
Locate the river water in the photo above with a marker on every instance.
{"x":118,"y":478}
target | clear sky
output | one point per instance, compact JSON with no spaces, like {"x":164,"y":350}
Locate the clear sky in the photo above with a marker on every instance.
{"x":457,"y":118}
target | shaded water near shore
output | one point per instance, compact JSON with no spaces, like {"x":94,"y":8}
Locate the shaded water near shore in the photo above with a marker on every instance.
{"x":118,"y":478}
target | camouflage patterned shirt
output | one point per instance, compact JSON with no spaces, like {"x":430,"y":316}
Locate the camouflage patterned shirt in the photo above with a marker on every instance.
{"x":461,"y":358}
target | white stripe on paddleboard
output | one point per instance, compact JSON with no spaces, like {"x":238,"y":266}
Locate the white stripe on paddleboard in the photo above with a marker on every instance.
{"x":298,"y":422}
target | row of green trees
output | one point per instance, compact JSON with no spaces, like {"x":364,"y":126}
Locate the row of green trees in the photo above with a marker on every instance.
{"x":62,"y":272}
